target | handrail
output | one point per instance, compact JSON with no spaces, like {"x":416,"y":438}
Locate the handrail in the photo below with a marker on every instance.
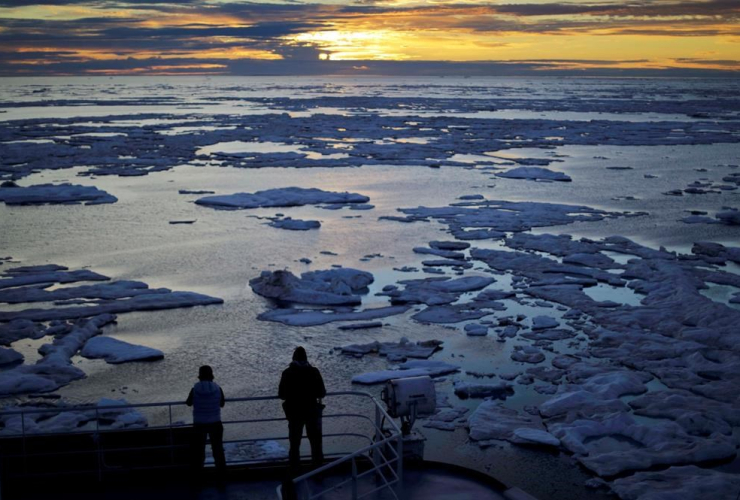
{"x":377,"y":468}
{"x":380,"y":440}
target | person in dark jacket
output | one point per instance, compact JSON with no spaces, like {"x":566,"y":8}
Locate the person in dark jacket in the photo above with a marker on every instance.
{"x":207,"y":399}
{"x":301,"y":387}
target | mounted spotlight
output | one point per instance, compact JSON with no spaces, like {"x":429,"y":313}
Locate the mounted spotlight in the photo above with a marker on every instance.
{"x":408,"y":398}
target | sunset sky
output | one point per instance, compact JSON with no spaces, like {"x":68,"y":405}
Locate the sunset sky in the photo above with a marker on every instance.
{"x":110,"y":37}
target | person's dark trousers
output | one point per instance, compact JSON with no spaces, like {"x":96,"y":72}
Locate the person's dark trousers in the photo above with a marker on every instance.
{"x":312,"y":422}
{"x":215,"y":432}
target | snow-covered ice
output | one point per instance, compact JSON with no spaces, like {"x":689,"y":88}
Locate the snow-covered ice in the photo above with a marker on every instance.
{"x":534,"y":173}
{"x":280,"y":197}
{"x":117,"y":351}
{"x":55,"y":194}
{"x":330,"y":287}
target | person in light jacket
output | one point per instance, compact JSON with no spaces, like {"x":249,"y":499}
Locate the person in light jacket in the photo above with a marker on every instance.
{"x":301,"y":387}
{"x":207,"y":399}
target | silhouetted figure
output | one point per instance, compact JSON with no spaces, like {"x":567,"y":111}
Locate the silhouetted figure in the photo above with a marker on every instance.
{"x":302,"y":387}
{"x":207,"y":399}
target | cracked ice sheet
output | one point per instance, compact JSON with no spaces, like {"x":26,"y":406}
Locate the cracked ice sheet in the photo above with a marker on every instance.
{"x":123,"y":147}
{"x":55,"y":368}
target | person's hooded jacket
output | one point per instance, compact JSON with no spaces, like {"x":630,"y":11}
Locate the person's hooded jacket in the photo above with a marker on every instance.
{"x":207,"y":399}
{"x":301,"y":386}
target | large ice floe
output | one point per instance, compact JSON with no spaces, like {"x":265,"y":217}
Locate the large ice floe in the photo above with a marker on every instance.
{"x":410,"y":368}
{"x":395,"y":351}
{"x":534,"y":173}
{"x":491,"y":219}
{"x":329,"y":287}
{"x":116,"y":351}
{"x":281,"y":197}
{"x":54,"y":194}
{"x":90,"y":307}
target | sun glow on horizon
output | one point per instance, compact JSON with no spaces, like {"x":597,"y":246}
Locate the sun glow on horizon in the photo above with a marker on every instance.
{"x":542,"y":34}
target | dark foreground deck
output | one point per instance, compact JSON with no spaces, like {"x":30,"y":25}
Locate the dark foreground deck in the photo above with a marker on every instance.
{"x":422,"y":481}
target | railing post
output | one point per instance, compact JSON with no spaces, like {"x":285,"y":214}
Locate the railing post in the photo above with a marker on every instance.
{"x":25,"y":452}
{"x":399,"y":465}
{"x":98,"y":445}
{"x":354,"y":479}
{"x":378,"y":438}
{"x":172,"y":438}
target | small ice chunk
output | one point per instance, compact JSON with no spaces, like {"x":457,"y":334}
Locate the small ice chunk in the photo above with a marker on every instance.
{"x":526,"y":435}
{"x":499,"y":390}
{"x":527,"y":354}
{"x":295,"y":224}
{"x":476,"y":330}
{"x":543,"y":322}
{"x":9,"y":356}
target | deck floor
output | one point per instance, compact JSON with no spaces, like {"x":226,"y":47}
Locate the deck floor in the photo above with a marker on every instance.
{"x":420,"y":483}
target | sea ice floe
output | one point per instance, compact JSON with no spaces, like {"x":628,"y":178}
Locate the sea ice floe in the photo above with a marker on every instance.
{"x":195,"y":191}
{"x":527,"y":354}
{"x":696,"y":414}
{"x":280,"y":197}
{"x":527,"y":435}
{"x":640,"y":446}
{"x":449,"y":245}
{"x":328,"y":287}
{"x":456,"y":313}
{"x":447,"y":254}
{"x":435,"y":291}
{"x":361,"y":326}
{"x":715,"y":253}
{"x":492,"y":218}
{"x":55,"y":194}
{"x":295,"y":224}
{"x":491,"y":420}
{"x":534,"y":173}
{"x":49,"y":419}
{"x":117,"y":351}
{"x":298,"y":317}
{"x":55,"y":368}
{"x":686,"y":482}
{"x":447,"y":419}
{"x":28,"y":284}
{"x":730,"y":216}
{"x":476,"y":330}
{"x":395,"y":351}
{"x":33,"y":275}
{"x":105,"y":291}
{"x":9,"y":356}
{"x":544,"y":322}
{"x":148,"y":302}
{"x":33,"y":284}
{"x":499,"y":390}
{"x":413,"y":368}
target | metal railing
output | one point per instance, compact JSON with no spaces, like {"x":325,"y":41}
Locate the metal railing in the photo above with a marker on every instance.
{"x":385,"y":454}
{"x":380,"y":457}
